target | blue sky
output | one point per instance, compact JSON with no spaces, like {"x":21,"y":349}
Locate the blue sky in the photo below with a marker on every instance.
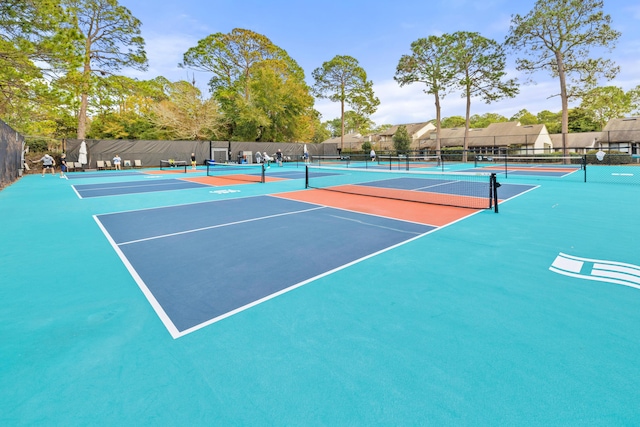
{"x":375,"y":33}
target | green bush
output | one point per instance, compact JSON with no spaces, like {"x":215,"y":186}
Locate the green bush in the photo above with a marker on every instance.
{"x":38,"y":145}
{"x":610,"y":158}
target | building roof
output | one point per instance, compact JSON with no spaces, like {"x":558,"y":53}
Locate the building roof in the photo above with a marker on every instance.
{"x":496,"y":134}
{"x":353,"y":138}
{"x":412,"y":128}
{"x":577,"y":140}
{"x":622,"y":130}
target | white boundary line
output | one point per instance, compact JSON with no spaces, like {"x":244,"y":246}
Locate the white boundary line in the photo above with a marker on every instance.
{"x":143,"y":287}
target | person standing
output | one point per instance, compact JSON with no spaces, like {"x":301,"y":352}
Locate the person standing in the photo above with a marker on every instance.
{"x":116,"y":162}
{"x":63,"y":164}
{"x":48,"y":164}
{"x":279,"y":157}
{"x":372,"y":154}
{"x":193,"y":161}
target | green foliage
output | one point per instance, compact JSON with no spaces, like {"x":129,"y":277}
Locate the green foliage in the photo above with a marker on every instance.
{"x":401,"y":140}
{"x":481,"y":64}
{"x":612,"y":157}
{"x":366,"y":146}
{"x":431,"y":64}
{"x":111,"y":41}
{"x":381,"y":128}
{"x":558,"y":36}
{"x":453,"y":122}
{"x":582,"y":120}
{"x":36,"y":40}
{"x":553,"y":121}
{"x":610,"y":102}
{"x":524,"y":117}
{"x":38,"y":145}
{"x":321,"y":132}
{"x":343,"y":80}
{"x":484,"y":120}
{"x":260,"y":89}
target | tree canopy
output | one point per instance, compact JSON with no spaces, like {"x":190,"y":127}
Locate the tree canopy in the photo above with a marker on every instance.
{"x":558,"y":36}
{"x":431,"y":64}
{"x":260,"y":88}
{"x":343,"y":80}
{"x":111,"y":41}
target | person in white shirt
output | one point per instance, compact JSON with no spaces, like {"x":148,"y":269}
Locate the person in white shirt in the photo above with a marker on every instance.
{"x":48,"y":164}
{"x":116,"y":162}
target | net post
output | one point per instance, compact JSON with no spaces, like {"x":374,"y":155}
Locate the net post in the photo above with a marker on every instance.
{"x":584,"y":166}
{"x":262,"y":174}
{"x":306,"y":176}
{"x":506,"y":166}
{"x":493,"y":188}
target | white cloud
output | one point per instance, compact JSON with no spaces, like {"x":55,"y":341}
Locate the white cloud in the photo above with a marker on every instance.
{"x":409,"y":104}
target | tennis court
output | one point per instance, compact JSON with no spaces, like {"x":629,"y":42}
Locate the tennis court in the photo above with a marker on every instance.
{"x":346,"y":309}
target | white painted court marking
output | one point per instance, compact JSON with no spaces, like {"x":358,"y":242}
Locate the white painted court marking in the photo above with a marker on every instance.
{"x":599,"y":270}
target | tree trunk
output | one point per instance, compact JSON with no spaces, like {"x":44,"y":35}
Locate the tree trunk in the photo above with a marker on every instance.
{"x":467,"y":122}
{"x":565,"y":102}
{"x":82,"y":116}
{"x":84,"y":96}
{"x":342,"y":125}
{"x":437,"y":96}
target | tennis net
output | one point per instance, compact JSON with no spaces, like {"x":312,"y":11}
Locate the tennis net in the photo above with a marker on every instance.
{"x":174,"y":165}
{"x":551,"y":165}
{"x":468,"y":190}
{"x":252,"y":172}
{"x":409,"y":162}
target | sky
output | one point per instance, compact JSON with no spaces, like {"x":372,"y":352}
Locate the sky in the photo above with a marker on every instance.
{"x":376,"y":33}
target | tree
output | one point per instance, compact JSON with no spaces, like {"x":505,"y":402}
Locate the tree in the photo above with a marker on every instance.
{"x":553,"y":121}
{"x":36,"y":41}
{"x":124,"y":106}
{"x":259,"y":87}
{"x":581,"y":120}
{"x":482,"y":121}
{"x":111,"y":42}
{"x":343,"y":80}
{"x":557,"y":36}
{"x":186,"y":114}
{"x":609,"y":102}
{"x":401,"y":140}
{"x":481,"y":66}
{"x":453,"y":122}
{"x":280,"y":102}
{"x":524,"y":117}
{"x":432,"y":64}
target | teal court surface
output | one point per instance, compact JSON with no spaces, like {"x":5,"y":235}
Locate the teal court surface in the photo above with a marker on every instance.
{"x":323,"y":314}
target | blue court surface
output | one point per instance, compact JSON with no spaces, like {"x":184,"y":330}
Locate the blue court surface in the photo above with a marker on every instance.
{"x":231,"y":305}
{"x":159,"y":247}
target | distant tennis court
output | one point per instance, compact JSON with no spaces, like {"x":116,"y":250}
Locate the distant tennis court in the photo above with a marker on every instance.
{"x":85,"y":191}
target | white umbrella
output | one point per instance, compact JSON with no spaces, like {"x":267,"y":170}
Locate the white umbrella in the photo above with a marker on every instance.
{"x":82,"y":154}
